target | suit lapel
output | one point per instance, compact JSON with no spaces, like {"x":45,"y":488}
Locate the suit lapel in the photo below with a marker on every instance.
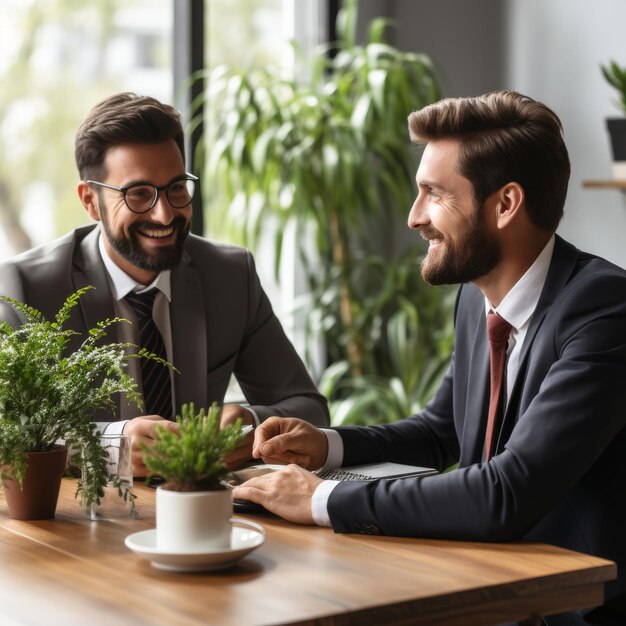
{"x":477,"y":400}
{"x":189,"y":335}
{"x":564,"y":259}
{"x":97,"y":304}
{"x":88,"y":269}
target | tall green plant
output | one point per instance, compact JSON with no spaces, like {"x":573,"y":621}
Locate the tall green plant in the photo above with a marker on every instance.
{"x":333,"y":154}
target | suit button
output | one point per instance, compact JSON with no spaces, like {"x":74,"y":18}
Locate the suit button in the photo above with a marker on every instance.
{"x":365,"y":528}
{"x":372,"y":529}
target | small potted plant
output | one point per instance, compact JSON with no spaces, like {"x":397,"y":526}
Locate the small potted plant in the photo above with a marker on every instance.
{"x":616,"y":77}
{"x":47,"y":395}
{"x":193,"y":508}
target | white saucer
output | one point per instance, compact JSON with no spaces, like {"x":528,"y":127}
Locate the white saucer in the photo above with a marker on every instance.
{"x":246,"y":536}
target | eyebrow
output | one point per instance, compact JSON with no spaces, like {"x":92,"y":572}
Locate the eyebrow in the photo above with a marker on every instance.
{"x":430,"y":184}
{"x":132,"y":183}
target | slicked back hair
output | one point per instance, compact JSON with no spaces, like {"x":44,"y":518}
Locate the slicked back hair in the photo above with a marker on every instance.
{"x":122,"y":119}
{"x":504,"y":137}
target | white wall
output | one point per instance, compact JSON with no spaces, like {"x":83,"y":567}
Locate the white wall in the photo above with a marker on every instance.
{"x":554,"y":49}
{"x":550,"y":50}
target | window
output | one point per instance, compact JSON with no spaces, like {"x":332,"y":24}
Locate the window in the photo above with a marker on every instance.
{"x":56,"y":61}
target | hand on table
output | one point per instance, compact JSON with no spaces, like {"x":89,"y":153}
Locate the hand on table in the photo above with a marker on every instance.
{"x":286,"y":493}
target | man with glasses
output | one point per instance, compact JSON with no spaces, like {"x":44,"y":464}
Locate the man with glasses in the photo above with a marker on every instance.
{"x":198,"y":304}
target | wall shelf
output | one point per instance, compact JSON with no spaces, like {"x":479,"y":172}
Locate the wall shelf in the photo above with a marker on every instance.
{"x":605,"y":184}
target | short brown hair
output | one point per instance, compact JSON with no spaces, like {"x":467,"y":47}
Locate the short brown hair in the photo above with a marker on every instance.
{"x":123,"y":118}
{"x":505,"y":137}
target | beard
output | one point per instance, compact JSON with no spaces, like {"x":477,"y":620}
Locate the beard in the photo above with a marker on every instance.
{"x":130,"y":248}
{"x":473,"y":255}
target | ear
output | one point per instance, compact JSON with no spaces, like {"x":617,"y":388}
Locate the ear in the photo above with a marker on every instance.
{"x":89,"y":198}
{"x":509,"y":202}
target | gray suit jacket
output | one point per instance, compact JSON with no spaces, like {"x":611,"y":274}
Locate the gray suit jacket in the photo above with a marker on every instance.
{"x":222,"y":321}
{"x":559,"y":474}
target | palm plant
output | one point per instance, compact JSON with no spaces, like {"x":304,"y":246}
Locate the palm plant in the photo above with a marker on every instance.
{"x":331,"y":156}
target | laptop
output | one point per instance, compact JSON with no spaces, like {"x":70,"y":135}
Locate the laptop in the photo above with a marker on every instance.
{"x":376,"y":471}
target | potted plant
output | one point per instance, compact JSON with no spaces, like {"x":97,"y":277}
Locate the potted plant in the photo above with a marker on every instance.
{"x":331,"y":157}
{"x":616,"y":77}
{"x":193,"y":508}
{"x":47,"y":396}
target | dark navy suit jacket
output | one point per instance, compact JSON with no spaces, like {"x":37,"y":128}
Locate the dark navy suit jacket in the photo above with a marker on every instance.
{"x":559,"y":474}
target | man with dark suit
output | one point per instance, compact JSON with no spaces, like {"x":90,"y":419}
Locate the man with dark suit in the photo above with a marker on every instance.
{"x":212,"y":315}
{"x":491,"y":189}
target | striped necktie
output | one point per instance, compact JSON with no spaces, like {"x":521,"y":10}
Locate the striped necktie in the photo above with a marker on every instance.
{"x":155,"y":377}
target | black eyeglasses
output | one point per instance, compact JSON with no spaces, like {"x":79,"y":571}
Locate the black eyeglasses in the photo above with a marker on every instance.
{"x":141,"y":197}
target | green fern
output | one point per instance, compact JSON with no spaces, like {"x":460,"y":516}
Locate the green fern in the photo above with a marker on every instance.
{"x":192,"y":459}
{"x":48,"y":393}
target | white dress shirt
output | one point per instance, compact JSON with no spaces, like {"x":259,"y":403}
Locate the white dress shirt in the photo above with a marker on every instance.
{"x":517,"y":308}
{"x":121,"y":285}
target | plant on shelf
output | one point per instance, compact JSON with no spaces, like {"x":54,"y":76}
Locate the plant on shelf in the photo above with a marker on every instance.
{"x":48,"y":394}
{"x":332,"y":158}
{"x":192,"y":458}
{"x":615,"y":75}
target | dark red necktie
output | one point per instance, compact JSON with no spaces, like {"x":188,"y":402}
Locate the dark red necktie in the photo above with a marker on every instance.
{"x":498,"y":330}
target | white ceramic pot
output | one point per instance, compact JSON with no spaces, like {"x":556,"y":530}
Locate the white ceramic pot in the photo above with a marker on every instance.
{"x":193,"y":521}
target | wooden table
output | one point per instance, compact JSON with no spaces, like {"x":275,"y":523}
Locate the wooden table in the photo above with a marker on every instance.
{"x":71,"y":571}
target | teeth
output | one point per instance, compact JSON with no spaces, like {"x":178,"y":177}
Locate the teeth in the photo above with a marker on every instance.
{"x":157,"y":234}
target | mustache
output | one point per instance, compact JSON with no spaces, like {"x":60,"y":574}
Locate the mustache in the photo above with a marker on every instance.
{"x":177,"y":223}
{"x":430,"y":232}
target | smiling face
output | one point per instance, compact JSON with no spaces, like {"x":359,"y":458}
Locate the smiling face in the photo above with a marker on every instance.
{"x":462,"y":246}
{"x":140,"y":244}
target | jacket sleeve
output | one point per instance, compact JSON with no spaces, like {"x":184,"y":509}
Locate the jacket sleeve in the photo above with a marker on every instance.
{"x":10,"y":286}
{"x":268,"y":369}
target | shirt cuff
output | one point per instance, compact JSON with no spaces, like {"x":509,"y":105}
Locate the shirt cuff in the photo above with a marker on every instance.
{"x":319,"y":502}
{"x":112,"y":428}
{"x":257,"y":421}
{"x":334,"y":458}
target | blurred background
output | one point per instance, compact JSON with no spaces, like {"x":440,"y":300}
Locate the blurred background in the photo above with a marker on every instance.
{"x":296,"y":115}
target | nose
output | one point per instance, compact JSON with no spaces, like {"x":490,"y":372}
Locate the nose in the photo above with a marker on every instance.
{"x":417,"y":215}
{"x":162,"y":212}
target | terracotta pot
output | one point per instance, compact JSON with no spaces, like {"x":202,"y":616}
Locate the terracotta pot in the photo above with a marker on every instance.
{"x":193,"y":521}
{"x":37,"y":499}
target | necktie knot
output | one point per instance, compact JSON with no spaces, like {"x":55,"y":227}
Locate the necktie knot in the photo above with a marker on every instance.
{"x":498,"y":329}
{"x":142,"y":302}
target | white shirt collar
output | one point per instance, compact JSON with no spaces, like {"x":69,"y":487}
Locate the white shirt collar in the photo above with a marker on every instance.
{"x":521,"y":301}
{"x":122,"y":284}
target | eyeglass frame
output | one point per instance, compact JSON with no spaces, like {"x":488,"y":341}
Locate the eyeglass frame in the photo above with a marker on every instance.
{"x":157,"y":188}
